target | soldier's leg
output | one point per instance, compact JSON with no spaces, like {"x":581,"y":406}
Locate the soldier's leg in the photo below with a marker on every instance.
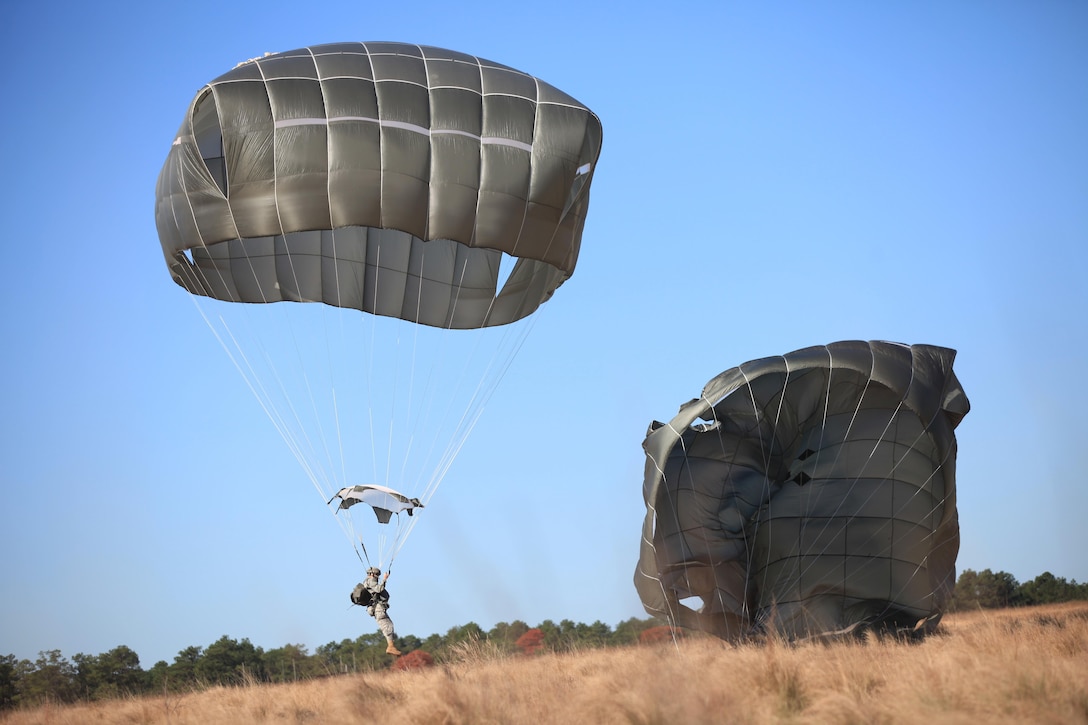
{"x":385,"y":624}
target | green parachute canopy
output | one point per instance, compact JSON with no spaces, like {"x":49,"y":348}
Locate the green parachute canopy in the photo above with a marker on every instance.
{"x":807,"y":494}
{"x":385,"y":177}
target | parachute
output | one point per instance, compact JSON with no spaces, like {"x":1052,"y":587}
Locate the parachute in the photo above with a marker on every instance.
{"x":428,"y":202}
{"x":808,"y":495}
{"x":384,"y":177}
{"x":384,"y":500}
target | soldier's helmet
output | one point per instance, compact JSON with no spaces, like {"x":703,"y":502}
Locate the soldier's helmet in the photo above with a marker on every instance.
{"x":373,"y":571}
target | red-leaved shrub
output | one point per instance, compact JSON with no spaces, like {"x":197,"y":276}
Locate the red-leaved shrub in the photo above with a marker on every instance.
{"x":414,"y":660}
{"x":654,"y":635}
{"x":531,"y":642}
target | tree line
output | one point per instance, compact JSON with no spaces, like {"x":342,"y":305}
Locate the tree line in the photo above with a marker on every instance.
{"x":994,"y":590}
{"x":227,"y":661}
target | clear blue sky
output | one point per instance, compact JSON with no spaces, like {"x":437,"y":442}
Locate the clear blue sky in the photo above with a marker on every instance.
{"x":772,"y":178}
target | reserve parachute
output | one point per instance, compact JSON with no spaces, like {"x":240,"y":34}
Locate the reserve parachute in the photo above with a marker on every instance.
{"x":427,"y":201}
{"x":810,"y":494}
{"x":384,"y":500}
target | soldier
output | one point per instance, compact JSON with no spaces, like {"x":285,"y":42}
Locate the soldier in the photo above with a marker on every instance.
{"x":379,"y":605}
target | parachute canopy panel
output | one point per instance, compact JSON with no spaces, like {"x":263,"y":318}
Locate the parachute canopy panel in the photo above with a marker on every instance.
{"x":807,"y":494}
{"x":385,"y":501}
{"x":392,"y":178}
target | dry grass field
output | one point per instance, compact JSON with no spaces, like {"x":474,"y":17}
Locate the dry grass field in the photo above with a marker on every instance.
{"x":1004,"y":666}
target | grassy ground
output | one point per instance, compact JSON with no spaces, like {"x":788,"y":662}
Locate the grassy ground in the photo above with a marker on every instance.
{"x":1005,"y":666}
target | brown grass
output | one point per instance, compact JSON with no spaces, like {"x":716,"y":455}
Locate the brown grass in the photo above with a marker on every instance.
{"x":1006,"y":666}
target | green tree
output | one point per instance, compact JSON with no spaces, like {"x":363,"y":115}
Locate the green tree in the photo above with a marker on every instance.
{"x":434,"y":644}
{"x":370,"y":652}
{"x":568,"y":635}
{"x":9,"y":682}
{"x":109,"y":675}
{"x":182,"y":673}
{"x":289,"y":663}
{"x":158,"y":677}
{"x":470,"y":632}
{"x":628,"y":631}
{"x":985,"y":589}
{"x":997,"y":589}
{"x":504,"y":635}
{"x":49,"y":679}
{"x":594,"y":635}
{"x":553,"y":635}
{"x":409,"y":643}
{"x":1047,"y":588}
{"x":367,"y":652}
{"x":228,"y":661}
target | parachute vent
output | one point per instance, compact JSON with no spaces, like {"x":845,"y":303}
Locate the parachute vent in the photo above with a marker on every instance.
{"x":693,"y":603}
{"x":209,"y":138}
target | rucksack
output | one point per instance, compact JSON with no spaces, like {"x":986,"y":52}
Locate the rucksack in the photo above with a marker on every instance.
{"x":361,"y":595}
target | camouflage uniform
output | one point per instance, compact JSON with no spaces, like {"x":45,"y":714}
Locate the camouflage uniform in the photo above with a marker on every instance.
{"x":378,"y":608}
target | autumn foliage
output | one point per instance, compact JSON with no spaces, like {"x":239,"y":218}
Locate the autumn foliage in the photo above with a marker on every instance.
{"x":531,"y":642}
{"x":414,"y":660}
{"x":654,"y":635}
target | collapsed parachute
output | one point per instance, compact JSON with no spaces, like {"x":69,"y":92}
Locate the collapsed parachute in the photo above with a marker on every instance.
{"x":435,"y":191}
{"x":808,"y":494}
{"x":384,"y":500}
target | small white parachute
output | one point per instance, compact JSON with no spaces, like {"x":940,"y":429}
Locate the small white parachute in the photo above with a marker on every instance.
{"x":385,"y":501}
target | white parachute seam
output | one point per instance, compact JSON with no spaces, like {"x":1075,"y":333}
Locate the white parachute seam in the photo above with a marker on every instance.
{"x":924,"y":562}
{"x":651,"y":505}
{"x":228,"y":287}
{"x":940,"y":503}
{"x":381,"y":138}
{"x":803,"y":516}
{"x":731,"y":492}
{"x":892,"y":419}
{"x":820,"y":447}
{"x":428,"y":132}
{"x":673,"y":616}
{"x":532,"y":170}
{"x":405,"y":126}
{"x":881,"y":439}
{"x":765,"y":494}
